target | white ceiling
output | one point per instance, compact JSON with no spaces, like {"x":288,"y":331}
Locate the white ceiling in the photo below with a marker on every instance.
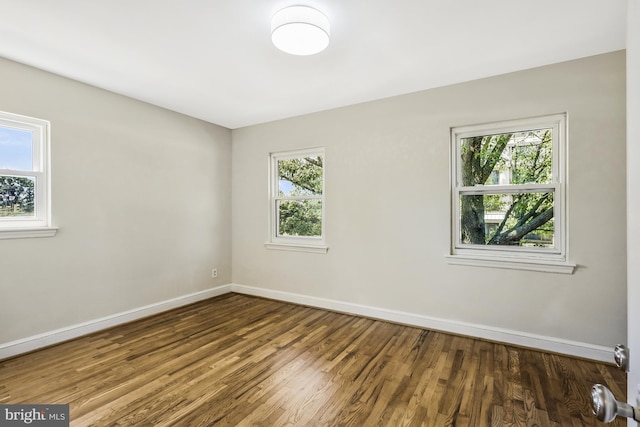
{"x":213,"y":59}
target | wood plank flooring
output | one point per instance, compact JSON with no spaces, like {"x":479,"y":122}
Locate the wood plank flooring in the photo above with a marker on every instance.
{"x":236,"y":360}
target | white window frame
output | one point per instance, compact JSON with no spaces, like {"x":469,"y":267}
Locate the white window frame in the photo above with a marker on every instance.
{"x":524,"y":258}
{"x":38,"y":225}
{"x":294,"y":243}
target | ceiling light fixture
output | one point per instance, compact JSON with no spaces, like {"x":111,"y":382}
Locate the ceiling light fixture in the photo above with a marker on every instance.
{"x":300,"y":30}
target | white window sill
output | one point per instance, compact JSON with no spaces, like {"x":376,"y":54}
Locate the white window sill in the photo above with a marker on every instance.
{"x":27,"y":233}
{"x":547,"y":266}
{"x":298,"y":247}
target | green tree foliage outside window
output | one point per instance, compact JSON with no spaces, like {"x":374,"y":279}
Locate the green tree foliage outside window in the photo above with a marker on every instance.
{"x":521,"y":217}
{"x":299,"y":202}
{"x":16,"y":196}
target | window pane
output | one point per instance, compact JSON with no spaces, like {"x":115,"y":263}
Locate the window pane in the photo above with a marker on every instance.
{"x":300,"y":177}
{"x":16,"y":149}
{"x":523,"y":219}
{"x":510,"y":158}
{"x":300,"y":218}
{"x":17,"y":196}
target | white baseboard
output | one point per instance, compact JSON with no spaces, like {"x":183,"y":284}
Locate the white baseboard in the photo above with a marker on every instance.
{"x":523,"y":339}
{"x":35,"y":342}
{"x":552,"y":344}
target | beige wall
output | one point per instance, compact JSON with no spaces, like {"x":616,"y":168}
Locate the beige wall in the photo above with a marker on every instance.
{"x":388,"y":211}
{"x":141,"y":196}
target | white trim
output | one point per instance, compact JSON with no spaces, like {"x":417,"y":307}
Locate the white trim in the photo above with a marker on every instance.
{"x":56,"y":336}
{"x":510,"y":189}
{"x":297,"y":247}
{"x":523,"y":339}
{"x":538,"y":342}
{"x":27,"y":233}
{"x":531,"y":264}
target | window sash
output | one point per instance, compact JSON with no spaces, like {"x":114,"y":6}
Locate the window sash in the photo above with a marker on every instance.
{"x":297,"y":236}
{"x":39,"y":132}
{"x":460,"y":246}
{"x":555,"y":123}
{"x":508,"y":189}
{"x":39,"y":199}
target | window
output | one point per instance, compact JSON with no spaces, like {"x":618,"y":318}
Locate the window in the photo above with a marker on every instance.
{"x":508,"y":194}
{"x":296,"y":207}
{"x":24,"y":177}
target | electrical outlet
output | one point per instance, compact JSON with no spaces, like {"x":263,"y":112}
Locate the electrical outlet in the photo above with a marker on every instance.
{"x":214,"y":273}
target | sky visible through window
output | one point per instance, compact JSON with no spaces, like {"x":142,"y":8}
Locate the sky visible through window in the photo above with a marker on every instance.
{"x":16,"y":149}
{"x":286,"y":186}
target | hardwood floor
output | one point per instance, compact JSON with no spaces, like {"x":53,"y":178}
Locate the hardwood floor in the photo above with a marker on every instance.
{"x":237,"y":360}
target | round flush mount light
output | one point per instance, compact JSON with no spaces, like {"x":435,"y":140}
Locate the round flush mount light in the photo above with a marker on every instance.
{"x":300,"y":30}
